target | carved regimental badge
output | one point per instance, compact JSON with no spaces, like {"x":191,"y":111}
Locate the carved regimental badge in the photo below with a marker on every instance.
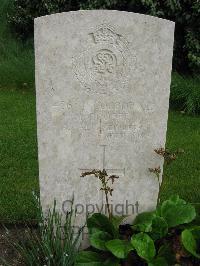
{"x":106,"y":64}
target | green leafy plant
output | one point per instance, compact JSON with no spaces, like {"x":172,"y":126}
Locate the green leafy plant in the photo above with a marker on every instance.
{"x":151,"y":237}
{"x":54,"y":242}
{"x":144,"y":246}
{"x":176,"y":211}
{"x":104,"y":237}
{"x":191,"y":241}
{"x":164,"y":216}
{"x":119,"y":248}
{"x":160,"y":224}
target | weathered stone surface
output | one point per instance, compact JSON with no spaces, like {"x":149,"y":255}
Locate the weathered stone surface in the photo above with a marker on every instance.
{"x":102,"y":80}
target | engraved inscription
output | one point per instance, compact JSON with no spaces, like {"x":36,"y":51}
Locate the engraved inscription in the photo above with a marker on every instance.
{"x":107,"y":120}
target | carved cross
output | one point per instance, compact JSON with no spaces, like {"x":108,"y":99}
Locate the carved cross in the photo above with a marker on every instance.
{"x":116,"y":171}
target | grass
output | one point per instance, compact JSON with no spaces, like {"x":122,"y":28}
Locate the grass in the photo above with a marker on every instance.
{"x":183,"y":175}
{"x":19,"y":166}
{"x":16,"y":57}
{"x":18,"y":155}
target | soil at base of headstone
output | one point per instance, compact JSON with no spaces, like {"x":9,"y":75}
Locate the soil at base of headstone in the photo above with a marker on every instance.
{"x":7,"y":239}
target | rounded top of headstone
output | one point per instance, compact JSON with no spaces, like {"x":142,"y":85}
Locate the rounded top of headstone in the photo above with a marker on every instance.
{"x":106,"y":13}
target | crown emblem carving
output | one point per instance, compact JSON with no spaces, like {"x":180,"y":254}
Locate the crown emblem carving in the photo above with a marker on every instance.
{"x":105,"y":34}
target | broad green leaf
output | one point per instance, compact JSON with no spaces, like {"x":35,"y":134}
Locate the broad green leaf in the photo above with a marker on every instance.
{"x":189,"y":242}
{"x":88,"y":258}
{"x":144,"y":246}
{"x":177,"y":211}
{"x":159,"y":261}
{"x":119,"y":248}
{"x":100,"y":222}
{"x":143,"y":221}
{"x":98,"y":239}
{"x":159,"y":228}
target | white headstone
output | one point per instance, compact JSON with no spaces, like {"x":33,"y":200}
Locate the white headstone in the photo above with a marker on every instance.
{"x":103,"y":83}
